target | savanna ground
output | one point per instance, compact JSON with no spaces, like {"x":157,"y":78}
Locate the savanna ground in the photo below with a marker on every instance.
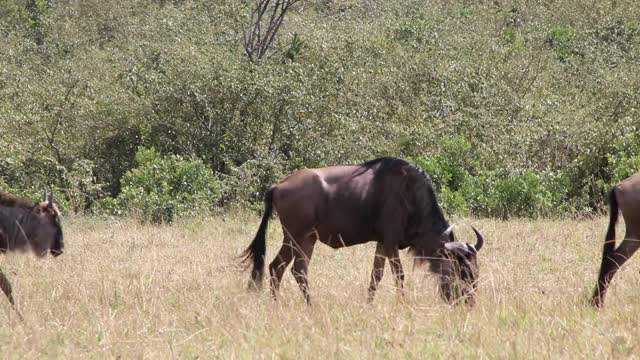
{"x":136,"y":291}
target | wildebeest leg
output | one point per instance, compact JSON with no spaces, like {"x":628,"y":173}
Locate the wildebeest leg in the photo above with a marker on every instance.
{"x":303,"y":252}
{"x":614,"y":261}
{"x":279,"y":264}
{"x":377,"y":272}
{"x":396,"y":268}
{"x":5,"y":285}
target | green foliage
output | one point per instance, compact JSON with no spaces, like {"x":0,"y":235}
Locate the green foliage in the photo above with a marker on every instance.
{"x":159,"y":189}
{"x":245,"y":185}
{"x":82,"y":188}
{"x":513,"y":39}
{"x":624,"y":160}
{"x":294,"y":49}
{"x":465,"y":189}
{"x":623,"y":165}
{"x":563,"y":41}
{"x":12,"y":12}
{"x":416,"y":31}
{"x":620,"y":33}
{"x":467,"y":89}
{"x":450,"y":170}
{"x":505,"y":194}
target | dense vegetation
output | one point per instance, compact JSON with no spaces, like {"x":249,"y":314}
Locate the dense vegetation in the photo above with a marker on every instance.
{"x":515,"y":108}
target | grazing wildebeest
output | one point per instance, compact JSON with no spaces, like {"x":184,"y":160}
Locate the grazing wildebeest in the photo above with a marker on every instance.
{"x":625,"y":197}
{"x":386,"y":200}
{"x":27,"y":226}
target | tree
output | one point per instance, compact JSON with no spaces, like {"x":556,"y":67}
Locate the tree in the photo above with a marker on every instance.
{"x":266,"y":18}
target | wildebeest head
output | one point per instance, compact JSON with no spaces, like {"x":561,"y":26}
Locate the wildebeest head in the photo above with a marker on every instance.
{"x":460,"y":269}
{"x":45,"y":228}
{"x":456,"y":262}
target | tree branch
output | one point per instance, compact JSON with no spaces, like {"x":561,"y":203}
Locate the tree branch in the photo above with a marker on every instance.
{"x":261,"y":32}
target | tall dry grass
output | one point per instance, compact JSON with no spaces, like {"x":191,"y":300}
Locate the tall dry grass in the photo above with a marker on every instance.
{"x":132,"y":291}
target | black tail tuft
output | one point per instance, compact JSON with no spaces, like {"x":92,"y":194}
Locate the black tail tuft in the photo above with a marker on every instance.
{"x":610,"y":240}
{"x":257,"y":249}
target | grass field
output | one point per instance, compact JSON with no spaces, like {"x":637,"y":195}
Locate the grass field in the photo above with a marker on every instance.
{"x":127,"y":290}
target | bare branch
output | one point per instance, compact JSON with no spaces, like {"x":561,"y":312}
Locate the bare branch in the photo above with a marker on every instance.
{"x":257,"y":39}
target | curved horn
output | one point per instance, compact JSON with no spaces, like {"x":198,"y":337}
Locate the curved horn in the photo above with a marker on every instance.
{"x":480,"y":242}
{"x":449,"y":233}
{"x":449,"y":230}
{"x":46,"y":196}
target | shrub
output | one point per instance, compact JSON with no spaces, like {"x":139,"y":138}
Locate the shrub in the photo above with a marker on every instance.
{"x":246,"y":184}
{"x":624,"y":160}
{"x":417,"y":31}
{"x":513,"y":39}
{"x":161,"y":188}
{"x":563,"y":42}
{"x":81,"y":89}
{"x":450,"y":167}
{"x":449,"y":170}
{"x":463,"y":189}
{"x":508,"y":193}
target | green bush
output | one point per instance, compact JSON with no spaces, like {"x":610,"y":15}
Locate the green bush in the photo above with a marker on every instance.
{"x":452,"y":165}
{"x":506,"y":193}
{"x":449,"y":169}
{"x":463,"y":189}
{"x":417,"y":31}
{"x":161,"y":188}
{"x":563,"y":41}
{"x":81,"y":89}
{"x":246,"y":184}
{"x":513,"y":39}
{"x":624,"y":160}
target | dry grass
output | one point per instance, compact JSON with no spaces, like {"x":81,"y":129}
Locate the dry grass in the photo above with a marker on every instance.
{"x":132,"y":291}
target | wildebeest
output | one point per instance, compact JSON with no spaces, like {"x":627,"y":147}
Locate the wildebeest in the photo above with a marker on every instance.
{"x":25,"y":226}
{"x":624,"y":197}
{"x":386,"y":200}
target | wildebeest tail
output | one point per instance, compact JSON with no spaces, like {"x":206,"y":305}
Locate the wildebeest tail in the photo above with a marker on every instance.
{"x":257,"y":249}
{"x":610,"y":240}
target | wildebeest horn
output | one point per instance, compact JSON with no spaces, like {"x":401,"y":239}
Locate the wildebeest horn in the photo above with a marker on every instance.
{"x":480,"y":242}
{"x":46,"y":196}
{"x":449,"y":233}
{"x":449,"y":230}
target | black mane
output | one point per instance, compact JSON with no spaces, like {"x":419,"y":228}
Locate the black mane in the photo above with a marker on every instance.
{"x":440,"y":224}
{"x":387,"y":165}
